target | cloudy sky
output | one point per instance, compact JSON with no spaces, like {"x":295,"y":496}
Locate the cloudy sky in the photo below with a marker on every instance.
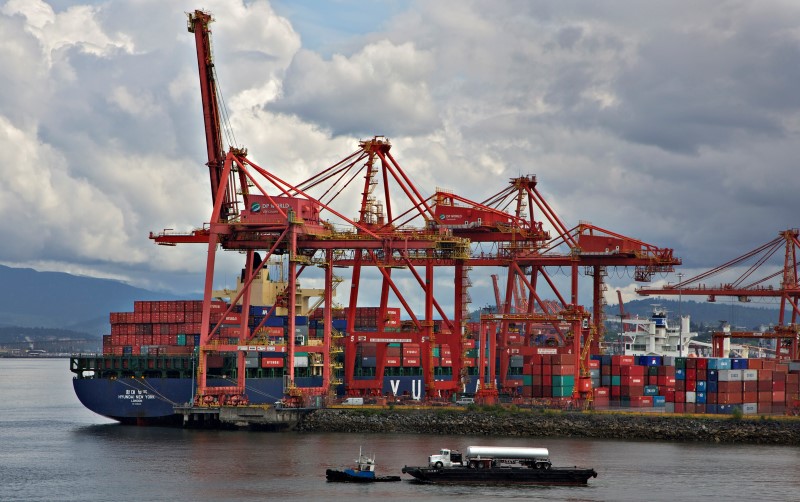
{"x":672,"y":122}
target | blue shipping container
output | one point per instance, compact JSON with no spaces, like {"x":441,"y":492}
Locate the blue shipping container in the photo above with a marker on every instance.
{"x":659,"y":401}
{"x":739,"y":364}
{"x":701,"y":386}
{"x":275,"y":321}
{"x":719,"y":363}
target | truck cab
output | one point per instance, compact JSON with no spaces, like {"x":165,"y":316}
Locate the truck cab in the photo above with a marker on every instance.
{"x":445,"y":458}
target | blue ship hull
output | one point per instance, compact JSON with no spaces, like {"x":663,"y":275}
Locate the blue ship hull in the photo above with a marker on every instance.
{"x":152,"y":400}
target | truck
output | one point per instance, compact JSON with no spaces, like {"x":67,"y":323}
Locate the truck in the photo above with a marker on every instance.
{"x":478,"y":457}
{"x":357,"y":401}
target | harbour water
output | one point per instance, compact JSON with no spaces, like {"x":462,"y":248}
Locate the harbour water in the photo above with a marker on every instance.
{"x":53,"y":449}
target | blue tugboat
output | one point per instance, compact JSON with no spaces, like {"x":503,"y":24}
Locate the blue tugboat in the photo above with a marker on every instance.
{"x":364,"y":472}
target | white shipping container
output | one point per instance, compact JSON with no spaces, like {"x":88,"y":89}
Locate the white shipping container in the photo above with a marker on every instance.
{"x":301,"y":361}
{"x":749,"y":408}
{"x":691,"y":396}
{"x":730,"y":375}
{"x":749,"y":375}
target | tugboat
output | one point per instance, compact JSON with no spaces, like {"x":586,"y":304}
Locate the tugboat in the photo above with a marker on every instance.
{"x":364,"y":472}
{"x":498,"y":465}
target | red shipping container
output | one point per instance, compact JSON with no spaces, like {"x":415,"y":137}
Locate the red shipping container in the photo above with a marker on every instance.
{"x":729,"y":398}
{"x":272,"y":362}
{"x":638,"y":371}
{"x":750,"y":386}
{"x":615,"y":391}
{"x":669,"y":395}
{"x":447,"y":362}
{"x":631,"y":390}
{"x":691,"y":386}
{"x":562,"y":359}
{"x":547,"y":381}
{"x":749,"y":397}
{"x":764,"y":407}
{"x":632,"y":381}
{"x":765,"y":385}
{"x":779,"y":385}
{"x":619,"y":360}
{"x":755,"y":364}
{"x":602,"y":392}
{"x":601,"y":402}
{"x":563,"y":369}
{"x":641,"y":401}
{"x":547,"y":370}
{"x":392,"y":361}
{"x":691,"y":363}
{"x":680,"y":407}
{"x":702,"y":363}
{"x":680,"y":397}
{"x":594,"y":364}
{"x":778,"y":396}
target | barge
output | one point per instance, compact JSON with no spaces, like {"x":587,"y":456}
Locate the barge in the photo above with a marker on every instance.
{"x":498,"y":465}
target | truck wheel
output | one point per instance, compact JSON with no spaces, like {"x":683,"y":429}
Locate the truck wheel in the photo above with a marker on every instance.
{"x":438,"y":465}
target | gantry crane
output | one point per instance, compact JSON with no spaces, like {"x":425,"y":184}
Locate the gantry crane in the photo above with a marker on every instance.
{"x":255,"y":210}
{"x":781,"y":283}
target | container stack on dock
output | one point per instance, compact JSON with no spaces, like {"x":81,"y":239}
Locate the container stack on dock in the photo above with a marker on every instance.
{"x":697,"y":385}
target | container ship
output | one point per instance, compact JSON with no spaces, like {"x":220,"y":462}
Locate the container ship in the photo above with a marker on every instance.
{"x":148,"y":364}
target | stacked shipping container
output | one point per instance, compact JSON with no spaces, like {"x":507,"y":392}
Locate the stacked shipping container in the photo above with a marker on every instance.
{"x":697,"y":385}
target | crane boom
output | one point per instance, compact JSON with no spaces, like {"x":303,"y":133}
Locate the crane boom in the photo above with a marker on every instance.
{"x":198,"y":25}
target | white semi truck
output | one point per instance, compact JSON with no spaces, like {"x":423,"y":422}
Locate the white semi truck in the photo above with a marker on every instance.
{"x":478,"y":457}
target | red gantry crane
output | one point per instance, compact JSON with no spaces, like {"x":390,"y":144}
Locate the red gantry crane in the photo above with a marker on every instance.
{"x":397,"y":231}
{"x":746,"y":282}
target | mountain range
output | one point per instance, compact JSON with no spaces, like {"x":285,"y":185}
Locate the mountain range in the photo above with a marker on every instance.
{"x":56,"y":300}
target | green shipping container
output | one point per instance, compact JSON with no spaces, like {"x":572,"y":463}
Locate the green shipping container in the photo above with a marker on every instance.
{"x":615,"y":380}
{"x":562,"y":391}
{"x":182,"y":339}
{"x":527,"y":380}
{"x":680,"y":362}
{"x":563,"y":380}
{"x":651,"y":390}
{"x":436,"y":352}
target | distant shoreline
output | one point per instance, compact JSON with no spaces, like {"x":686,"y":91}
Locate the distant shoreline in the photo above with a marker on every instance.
{"x":778,"y":430}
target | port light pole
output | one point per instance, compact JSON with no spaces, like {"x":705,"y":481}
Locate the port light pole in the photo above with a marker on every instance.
{"x":680,"y":316}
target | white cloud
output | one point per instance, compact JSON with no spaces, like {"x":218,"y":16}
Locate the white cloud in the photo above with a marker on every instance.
{"x":673,"y":123}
